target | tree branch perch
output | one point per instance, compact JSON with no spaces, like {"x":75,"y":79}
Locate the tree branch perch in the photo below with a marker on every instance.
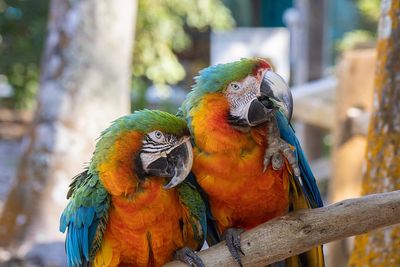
{"x":299,"y":231}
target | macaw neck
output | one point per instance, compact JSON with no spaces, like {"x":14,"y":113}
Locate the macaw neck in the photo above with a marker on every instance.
{"x":116,"y":167}
{"x":147,"y":191}
{"x":212,"y":131}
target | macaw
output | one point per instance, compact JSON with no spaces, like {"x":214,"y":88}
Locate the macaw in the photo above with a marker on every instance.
{"x":247,"y":159}
{"x":122,"y":209}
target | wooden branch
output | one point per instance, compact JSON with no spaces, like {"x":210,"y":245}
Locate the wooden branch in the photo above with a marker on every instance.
{"x":299,"y":231}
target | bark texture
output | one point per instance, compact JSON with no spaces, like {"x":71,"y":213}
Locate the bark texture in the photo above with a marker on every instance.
{"x":382,"y":174}
{"x":85,"y":84}
{"x":299,"y":231}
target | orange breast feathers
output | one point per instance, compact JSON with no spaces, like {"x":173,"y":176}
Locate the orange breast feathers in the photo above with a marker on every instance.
{"x":143,"y":228}
{"x":145,"y":231}
{"x":228,"y":165}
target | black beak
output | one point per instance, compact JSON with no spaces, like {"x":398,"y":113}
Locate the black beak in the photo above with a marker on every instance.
{"x":161,"y":167}
{"x":274,"y":89}
{"x":176,"y":165}
{"x":258,"y":113}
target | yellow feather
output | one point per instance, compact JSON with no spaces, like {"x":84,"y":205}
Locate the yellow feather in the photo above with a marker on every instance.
{"x":104,"y":255}
{"x":315,"y":256}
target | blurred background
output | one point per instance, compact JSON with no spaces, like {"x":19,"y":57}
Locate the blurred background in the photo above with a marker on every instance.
{"x":68,"y":68}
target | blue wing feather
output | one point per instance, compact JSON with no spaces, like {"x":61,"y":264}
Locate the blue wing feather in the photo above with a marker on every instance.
{"x":307,"y":180}
{"x":86,"y":209}
{"x":80,"y":234}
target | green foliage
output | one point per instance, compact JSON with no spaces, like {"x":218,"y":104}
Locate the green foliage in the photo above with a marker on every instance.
{"x":161,"y":32}
{"x":355,"y":39}
{"x":366,"y":34}
{"x":22,"y":31}
{"x":370,"y":9}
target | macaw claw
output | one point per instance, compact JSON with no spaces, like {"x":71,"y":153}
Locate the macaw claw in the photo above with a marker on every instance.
{"x":189,"y":257}
{"x":277,"y":148}
{"x":232,"y":238}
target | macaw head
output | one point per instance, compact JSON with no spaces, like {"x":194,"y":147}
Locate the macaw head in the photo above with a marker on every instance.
{"x":166,"y":150}
{"x":250,"y":86}
{"x":143,"y":145}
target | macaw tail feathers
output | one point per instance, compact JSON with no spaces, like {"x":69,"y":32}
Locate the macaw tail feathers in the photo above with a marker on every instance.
{"x":304,"y":193}
{"x":315,"y":256}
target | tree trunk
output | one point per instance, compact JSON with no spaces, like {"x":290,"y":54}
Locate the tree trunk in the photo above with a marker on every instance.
{"x":382,"y":247}
{"x":85,"y":84}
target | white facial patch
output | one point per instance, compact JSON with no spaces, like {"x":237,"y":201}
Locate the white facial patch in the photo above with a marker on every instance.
{"x":240,"y":94}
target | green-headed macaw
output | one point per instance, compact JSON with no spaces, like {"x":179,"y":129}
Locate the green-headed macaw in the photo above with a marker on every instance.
{"x":131,"y":206}
{"x":247,"y":158}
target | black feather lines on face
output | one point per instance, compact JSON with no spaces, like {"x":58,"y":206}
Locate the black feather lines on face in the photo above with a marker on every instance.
{"x":168,"y":141}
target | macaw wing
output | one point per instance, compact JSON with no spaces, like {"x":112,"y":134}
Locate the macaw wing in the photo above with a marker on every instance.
{"x":213,"y":236}
{"x":306,"y":180}
{"x":304,"y":193}
{"x":195,"y":221}
{"x":85,"y":218}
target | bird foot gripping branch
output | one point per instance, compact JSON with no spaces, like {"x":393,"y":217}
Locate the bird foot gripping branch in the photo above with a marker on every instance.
{"x":232,"y":238}
{"x":189,"y":257}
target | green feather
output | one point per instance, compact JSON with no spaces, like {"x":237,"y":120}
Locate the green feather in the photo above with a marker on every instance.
{"x":86,"y":191}
{"x":191,"y":198}
{"x":216,"y":79}
{"x":142,"y":121}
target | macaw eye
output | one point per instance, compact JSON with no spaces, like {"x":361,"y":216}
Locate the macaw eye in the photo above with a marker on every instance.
{"x":235,"y":86}
{"x":157,"y":136}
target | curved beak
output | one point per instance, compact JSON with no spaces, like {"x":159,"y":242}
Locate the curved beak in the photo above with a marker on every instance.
{"x":181,"y":158}
{"x":258,"y":113}
{"x":175,"y":163}
{"x":274,"y":88}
